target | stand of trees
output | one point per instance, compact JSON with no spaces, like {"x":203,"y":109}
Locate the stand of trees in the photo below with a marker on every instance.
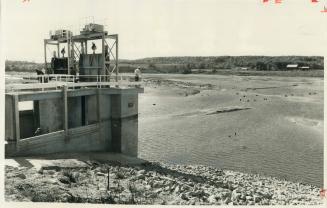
{"x":22,"y":66}
{"x":232,"y":62}
{"x":186,"y":64}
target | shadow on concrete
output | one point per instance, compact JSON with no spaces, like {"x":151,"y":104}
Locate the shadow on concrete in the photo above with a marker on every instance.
{"x":23,"y":162}
{"x":73,"y":160}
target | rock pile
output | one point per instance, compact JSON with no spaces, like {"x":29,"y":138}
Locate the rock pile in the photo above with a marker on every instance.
{"x":154,"y":183}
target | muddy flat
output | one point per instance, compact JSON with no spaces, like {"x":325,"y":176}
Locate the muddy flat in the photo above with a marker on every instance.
{"x":258,"y":124}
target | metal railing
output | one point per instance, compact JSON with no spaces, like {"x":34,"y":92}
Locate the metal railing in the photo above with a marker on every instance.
{"x":55,"y":81}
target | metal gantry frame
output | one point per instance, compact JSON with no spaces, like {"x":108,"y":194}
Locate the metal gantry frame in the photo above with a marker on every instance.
{"x":77,"y":45}
{"x":64,"y":40}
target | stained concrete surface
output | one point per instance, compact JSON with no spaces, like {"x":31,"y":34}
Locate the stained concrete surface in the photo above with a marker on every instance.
{"x":92,"y":123}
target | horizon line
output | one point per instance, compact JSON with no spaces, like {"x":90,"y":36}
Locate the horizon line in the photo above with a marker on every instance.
{"x":149,"y":57}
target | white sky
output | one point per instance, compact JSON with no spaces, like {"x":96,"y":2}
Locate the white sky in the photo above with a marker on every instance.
{"x":149,"y":28}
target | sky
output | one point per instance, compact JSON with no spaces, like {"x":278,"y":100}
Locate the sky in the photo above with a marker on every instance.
{"x":152,"y":28}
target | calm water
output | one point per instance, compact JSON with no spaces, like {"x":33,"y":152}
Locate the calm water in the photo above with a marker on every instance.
{"x":281,"y":137}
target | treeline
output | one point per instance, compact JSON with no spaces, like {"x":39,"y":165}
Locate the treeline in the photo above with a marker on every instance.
{"x":22,"y":66}
{"x":186,"y":64}
{"x":199,"y":64}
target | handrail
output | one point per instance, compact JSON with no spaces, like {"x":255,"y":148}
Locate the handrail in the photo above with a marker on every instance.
{"x":72,"y":78}
{"x":55,"y":81}
{"x":65,"y":75}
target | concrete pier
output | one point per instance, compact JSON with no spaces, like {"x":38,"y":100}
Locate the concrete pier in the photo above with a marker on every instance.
{"x":73,"y":120}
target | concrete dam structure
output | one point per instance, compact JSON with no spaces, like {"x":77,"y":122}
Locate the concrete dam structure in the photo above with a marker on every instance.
{"x":76,"y":105}
{"x":73,"y":120}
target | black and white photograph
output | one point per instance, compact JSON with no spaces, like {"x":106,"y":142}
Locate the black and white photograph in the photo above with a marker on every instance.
{"x":163,"y":102}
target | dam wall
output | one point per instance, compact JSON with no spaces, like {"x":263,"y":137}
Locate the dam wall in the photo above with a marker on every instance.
{"x":72,"y":120}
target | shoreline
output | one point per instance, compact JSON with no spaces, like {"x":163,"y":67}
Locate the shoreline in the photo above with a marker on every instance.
{"x":152,"y":183}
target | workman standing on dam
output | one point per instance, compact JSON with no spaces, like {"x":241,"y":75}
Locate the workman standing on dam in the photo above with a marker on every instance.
{"x":137,"y":73}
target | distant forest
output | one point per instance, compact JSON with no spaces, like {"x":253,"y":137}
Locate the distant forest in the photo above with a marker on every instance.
{"x":198,"y":64}
{"x":22,"y":66}
{"x":215,"y":63}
